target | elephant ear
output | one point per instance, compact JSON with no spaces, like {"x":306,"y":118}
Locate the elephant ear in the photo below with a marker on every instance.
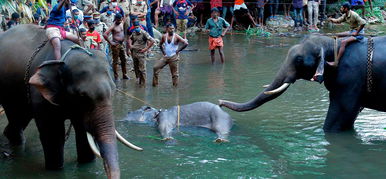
{"x":48,"y":81}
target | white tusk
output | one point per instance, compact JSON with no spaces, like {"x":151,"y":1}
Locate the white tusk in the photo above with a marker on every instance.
{"x":93,"y":147}
{"x":278,"y":90}
{"x":265,"y":86}
{"x":127,"y":143}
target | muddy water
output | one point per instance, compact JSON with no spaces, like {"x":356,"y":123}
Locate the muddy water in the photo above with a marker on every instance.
{"x":283,"y":138}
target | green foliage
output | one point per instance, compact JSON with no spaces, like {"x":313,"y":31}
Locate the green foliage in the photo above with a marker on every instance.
{"x":257,"y":32}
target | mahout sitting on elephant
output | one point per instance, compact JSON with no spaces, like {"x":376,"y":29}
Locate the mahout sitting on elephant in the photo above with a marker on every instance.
{"x":79,"y":88}
{"x":350,"y":86}
{"x":200,"y":114}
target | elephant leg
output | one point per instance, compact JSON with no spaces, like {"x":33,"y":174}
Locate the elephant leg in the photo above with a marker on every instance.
{"x":342,"y":112}
{"x":83,"y":149}
{"x":52,"y":133}
{"x":17,"y":122}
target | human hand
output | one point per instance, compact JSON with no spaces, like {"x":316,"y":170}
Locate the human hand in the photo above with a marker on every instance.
{"x":143,"y":50}
{"x":355,"y":33}
{"x":112,"y":43}
{"x":128,"y":52}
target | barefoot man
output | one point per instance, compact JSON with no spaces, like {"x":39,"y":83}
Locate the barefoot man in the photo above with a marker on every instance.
{"x":116,"y":45}
{"x":170,"y":50}
{"x":215,"y":27}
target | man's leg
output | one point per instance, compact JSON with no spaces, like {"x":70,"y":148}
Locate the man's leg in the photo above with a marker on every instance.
{"x":309,"y":10}
{"x":342,"y":48}
{"x":212,"y":55}
{"x":156,"y":69}
{"x":142,"y":69}
{"x":57,"y":47}
{"x":74,"y":38}
{"x":173,"y":65}
{"x":135,"y":66}
{"x":184,"y":26}
{"x":222,"y":58}
{"x":156,"y":14}
{"x":122,"y":57}
{"x":115,"y":53}
{"x":149,"y":26}
{"x":316,"y":14}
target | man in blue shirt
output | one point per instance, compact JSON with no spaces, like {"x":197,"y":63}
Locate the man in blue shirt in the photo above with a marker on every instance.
{"x":54,"y":29}
{"x":182,"y":9}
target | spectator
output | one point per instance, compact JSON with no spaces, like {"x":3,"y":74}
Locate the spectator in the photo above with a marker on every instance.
{"x":15,"y":20}
{"x":199,"y":10}
{"x":227,"y":6}
{"x":313,"y":12}
{"x":298,"y":11}
{"x":113,"y":6}
{"x":73,"y":7}
{"x":242,"y":8}
{"x":287,"y":8}
{"x":93,"y":36}
{"x":139,"y":9}
{"x":155,"y":11}
{"x":215,"y":27}
{"x":358,"y":4}
{"x":138,"y":43}
{"x":216,"y":3}
{"x":131,"y":29}
{"x":182,"y":10}
{"x":108,"y":18}
{"x":89,"y":6}
{"x":86,"y":18}
{"x":101,"y":28}
{"x":260,"y":12}
{"x":273,"y":8}
{"x":167,"y":11}
{"x":148,"y":19}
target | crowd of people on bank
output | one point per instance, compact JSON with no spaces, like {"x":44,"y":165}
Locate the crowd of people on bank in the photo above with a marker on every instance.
{"x":125,"y":28}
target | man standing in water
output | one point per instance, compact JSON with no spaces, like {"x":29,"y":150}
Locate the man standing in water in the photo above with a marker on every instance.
{"x":170,"y":50}
{"x":116,"y":45}
{"x":139,"y":42}
{"x":215,"y":27}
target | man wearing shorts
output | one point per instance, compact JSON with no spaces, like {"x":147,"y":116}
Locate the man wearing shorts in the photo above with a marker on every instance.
{"x":215,"y":27}
{"x":54,"y":29}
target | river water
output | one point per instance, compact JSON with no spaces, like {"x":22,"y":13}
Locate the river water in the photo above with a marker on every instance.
{"x":281,"y":139}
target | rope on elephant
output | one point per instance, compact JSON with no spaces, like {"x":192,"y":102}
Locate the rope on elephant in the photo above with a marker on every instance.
{"x":370,"y":52}
{"x":132,"y":96}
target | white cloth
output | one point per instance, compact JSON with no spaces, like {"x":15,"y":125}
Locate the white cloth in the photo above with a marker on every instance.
{"x":242,"y":6}
{"x":170,"y":48}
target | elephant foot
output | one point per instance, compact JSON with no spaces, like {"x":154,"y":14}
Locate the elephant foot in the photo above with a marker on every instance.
{"x":15,"y":137}
{"x":219,"y":140}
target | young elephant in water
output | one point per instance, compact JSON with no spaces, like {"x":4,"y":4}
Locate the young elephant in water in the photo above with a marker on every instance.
{"x":201,"y":114}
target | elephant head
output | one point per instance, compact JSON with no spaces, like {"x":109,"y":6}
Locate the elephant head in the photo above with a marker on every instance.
{"x":82,"y":87}
{"x":301,"y":63}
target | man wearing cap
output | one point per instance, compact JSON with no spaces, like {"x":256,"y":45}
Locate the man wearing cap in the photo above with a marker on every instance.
{"x":139,"y":9}
{"x":73,"y":7}
{"x":131,"y":29}
{"x":100,"y":27}
{"x":138,"y":43}
{"x":215,"y":27}
{"x":86,"y":19}
{"x":54,"y":29}
{"x":108,"y":18}
{"x":114,"y":7}
{"x":116,"y":45}
{"x":182,"y":8}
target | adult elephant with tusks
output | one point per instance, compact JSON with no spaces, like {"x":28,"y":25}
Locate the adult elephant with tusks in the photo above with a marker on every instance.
{"x":347,"y":84}
{"x":78,"y":88}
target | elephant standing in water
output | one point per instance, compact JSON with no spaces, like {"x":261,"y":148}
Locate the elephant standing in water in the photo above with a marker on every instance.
{"x":78,"y":88}
{"x":347,"y":83}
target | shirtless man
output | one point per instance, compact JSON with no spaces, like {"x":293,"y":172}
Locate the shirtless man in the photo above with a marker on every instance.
{"x":116,"y":45}
{"x":170,"y":50}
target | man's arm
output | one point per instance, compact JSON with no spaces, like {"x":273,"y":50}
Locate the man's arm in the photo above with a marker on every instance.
{"x":107,"y":33}
{"x":359,"y":29}
{"x":226,"y":25}
{"x":161,"y":45}
{"x":183,"y":46}
{"x":128,"y":45}
{"x":61,"y":3}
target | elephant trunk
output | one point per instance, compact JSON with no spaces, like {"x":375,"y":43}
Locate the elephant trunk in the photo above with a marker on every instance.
{"x":284,"y":78}
{"x":103,"y":129}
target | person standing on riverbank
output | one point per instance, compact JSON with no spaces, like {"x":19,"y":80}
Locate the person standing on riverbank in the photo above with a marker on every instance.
{"x":313,"y":13}
{"x":138,"y":43}
{"x":170,"y":50}
{"x":215,"y":25}
{"x":116,"y":45}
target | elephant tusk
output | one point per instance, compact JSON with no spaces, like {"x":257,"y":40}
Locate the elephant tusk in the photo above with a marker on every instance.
{"x":127,"y":143}
{"x":93,"y":147}
{"x":266,"y":86}
{"x":278,"y":90}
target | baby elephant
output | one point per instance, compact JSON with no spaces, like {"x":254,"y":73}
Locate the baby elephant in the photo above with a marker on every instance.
{"x":201,"y":114}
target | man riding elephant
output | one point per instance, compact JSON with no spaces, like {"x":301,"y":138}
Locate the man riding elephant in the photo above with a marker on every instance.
{"x":356,"y":33}
{"x":54,"y":29}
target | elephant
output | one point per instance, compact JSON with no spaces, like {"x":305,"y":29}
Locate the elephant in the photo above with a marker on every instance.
{"x":347,"y":83}
{"x":79,"y":88}
{"x":200,"y":114}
